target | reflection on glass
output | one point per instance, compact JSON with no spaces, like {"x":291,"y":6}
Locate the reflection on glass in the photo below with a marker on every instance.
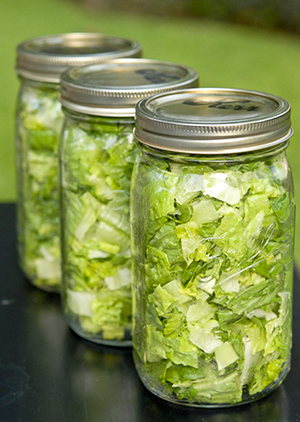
{"x":104,"y":381}
{"x":45,"y":341}
{"x":273,"y":408}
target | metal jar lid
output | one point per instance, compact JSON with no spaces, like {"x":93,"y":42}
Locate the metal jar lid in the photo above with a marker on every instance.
{"x":213,"y":121}
{"x":113,"y":88}
{"x":45,"y":58}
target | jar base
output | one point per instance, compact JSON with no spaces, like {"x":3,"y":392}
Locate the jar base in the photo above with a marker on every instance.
{"x":39,"y":284}
{"x":97,"y":338}
{"x":164,"y":395}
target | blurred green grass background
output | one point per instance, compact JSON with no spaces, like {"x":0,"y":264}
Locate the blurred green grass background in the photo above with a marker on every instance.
{"x":225,"y":55}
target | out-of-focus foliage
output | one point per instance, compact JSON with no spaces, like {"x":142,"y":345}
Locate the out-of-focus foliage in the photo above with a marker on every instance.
{"x":263,"y":13}
{"x":275,"y":14}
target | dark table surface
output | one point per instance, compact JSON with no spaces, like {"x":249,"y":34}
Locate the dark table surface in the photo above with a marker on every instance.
{"x":48,"y":374}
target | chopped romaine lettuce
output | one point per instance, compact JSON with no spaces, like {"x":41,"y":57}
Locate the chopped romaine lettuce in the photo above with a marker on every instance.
{"x":96,"y":167}
{"x":39,"y":121}
{"x":225,"y":355}
{"x":212,"y":262}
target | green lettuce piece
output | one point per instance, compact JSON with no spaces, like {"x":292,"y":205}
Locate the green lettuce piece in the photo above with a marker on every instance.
{"x":158,"y":267}
{"x":173,"y":325}
{"x":190,"y":242}
{"x":228,"y":237}
{"x":225,"y":355}
{"x":166,"y":240}
{"x":282,"y":207}
{"x":155,"y":345}
{"x":255,"y":204}
{"x":204,"y":212}
{"x":161,"y":194}
{"x":110,"y":314}
{"x":254,"y":297}
{"x":39,"y":123}
{"x":166,"y":298}
{"x":80,"y":302}
{"x":181,"y":373}
{"x":213,"y":258}
{"x":224,"y":187}
{"x":266,"y":374}
{"x":205,"y":340}
{"x":211,"y":389}
{"x":267,"y":186}
{"x":188,"y":187}
{"x":181,"y":352}
{"x":97,"y":162}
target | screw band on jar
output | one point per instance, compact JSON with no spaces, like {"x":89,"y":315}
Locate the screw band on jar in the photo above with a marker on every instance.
{"x":45,"y":58}
{"x":115,"y":87}
{"x":213,"y":121}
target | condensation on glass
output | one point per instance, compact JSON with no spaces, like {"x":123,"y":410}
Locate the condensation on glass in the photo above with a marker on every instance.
{"x":212,"y":220}
{"x":40,"y":62}
{"x":97,"y":156}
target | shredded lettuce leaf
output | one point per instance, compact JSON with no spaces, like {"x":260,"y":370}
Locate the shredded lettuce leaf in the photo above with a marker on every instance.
{"x":39,"y":123}
{"x":212,"y":266}
{"x":97,"y":161}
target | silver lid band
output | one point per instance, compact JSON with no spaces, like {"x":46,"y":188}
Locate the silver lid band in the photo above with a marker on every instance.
{"x":213,"y":121}
{"x":115,"y":87}
{"x":45,"y":58}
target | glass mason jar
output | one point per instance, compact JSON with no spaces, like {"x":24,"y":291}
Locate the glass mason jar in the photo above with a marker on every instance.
{"x":97,"y":156}
{"x":212,"y":220}
{"x":39,"y":121}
